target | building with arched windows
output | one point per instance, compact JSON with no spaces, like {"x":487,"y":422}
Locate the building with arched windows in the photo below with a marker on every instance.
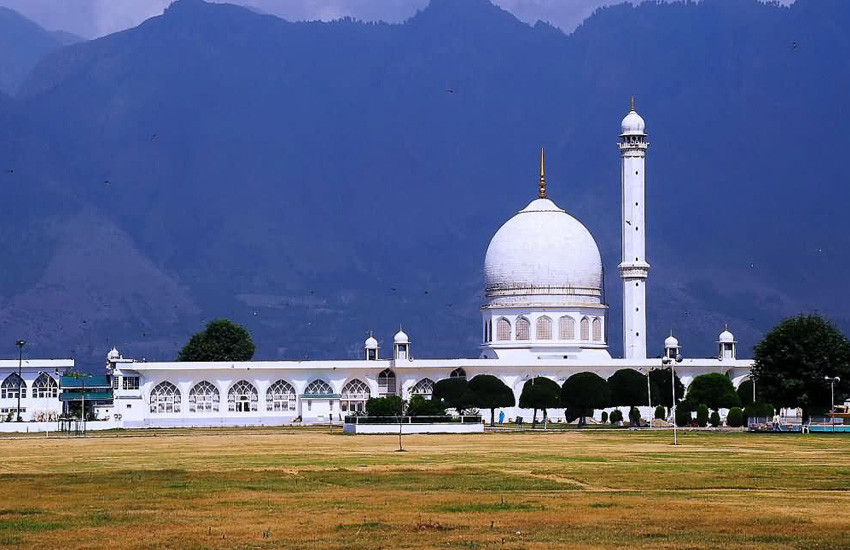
{"x":544,"y":314}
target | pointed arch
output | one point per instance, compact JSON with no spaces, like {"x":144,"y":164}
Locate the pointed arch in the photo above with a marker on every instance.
{"x":424,"y":387}
{"x":585,"y":329}
{"x":354,"y":395}
{"x":458,"y":373}
{"x":242,"y":397}
{"x":543,"y":330}
{"x":165,"y":398}
{"x":45,"y":386}
{"x":318,"y":388}
{"x":523,"y":328}
{"x":503,"y":329}
{"x":386,"y":382}
{"x":597,"y":329}
{"x":13,"y":386}
{"x":204,"y":397}
{"x":567,"y":328}
{"x":280,"y":397}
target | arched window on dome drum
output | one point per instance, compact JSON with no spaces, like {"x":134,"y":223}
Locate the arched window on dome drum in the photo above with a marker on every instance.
{"x":165,"y":398}
{"x":12,"y":386}
{"x":242,"y":397}
{"x":490,"y":330}
{"x":567,"y":328}
{"x":45,"y":386}
{"x":424,"y":387}
{"x":585,"y":329}
{"x":597,"y":330}
{"x":354,"y":396}
{"x":204,"y":397}
{"x":503,"y":329}
{"x":386,"y":382}
{"x":523,"y":328}
{"x":544,"y":328}
{"x":280,"y":397}
{"x":458,"y":373}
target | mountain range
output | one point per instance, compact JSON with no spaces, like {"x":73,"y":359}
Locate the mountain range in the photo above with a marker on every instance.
{"x":315,"y":181}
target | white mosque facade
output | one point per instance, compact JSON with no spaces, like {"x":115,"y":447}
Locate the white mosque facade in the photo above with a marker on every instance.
{"x":543,"y":315}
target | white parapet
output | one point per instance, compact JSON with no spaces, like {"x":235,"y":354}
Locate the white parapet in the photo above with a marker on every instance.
{"x":436,"y":428}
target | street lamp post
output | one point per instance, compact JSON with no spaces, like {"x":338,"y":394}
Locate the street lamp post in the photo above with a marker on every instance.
{"x":832,"y":381}
{"x":21,"y":385}
{"x":671,"y":357}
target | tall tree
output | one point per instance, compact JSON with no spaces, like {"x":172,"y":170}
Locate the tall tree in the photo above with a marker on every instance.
{"x":662,"y":391}
{"x":745,"y":392}
{"x":584,"y":392}
{"x":489,"y":392}
{"x":540,"y":393}
{"x":793,"y":361}
{"x":453,"y":393}
{"x":221,"y":340}
{"x":628,"y":388}
{"x":714,"y":390}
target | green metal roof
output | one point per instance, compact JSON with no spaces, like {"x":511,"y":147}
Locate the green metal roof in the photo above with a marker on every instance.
{"x":84,"y":382}
{"x":89,"y":396}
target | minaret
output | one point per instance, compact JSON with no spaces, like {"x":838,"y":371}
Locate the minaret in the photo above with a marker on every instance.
{"x":634,"y":269}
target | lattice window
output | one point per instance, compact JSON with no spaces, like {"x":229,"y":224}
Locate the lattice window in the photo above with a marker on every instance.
{"x":165,"y":398}
{"x":567,"y":328}
{"x":45,"y":386}
{"x":597,"y":330}
{"x":354,"y":396}
{"x":13,"y":386}
{"x":523,"y":329}
{"x":280,"y":397}
{"x":503,"y":329}
{"x":386,"y":382}
{"x":458,"y":373}
{"x":585,"y":329}
{"x":204,"y":397}
{"x":544,"y":328}
{"x":242,"y":397}
{"x":318,"y":387}
{"x":424,"y":387}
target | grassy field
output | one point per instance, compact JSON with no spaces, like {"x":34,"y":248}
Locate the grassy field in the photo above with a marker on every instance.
{"x":297,"y":488}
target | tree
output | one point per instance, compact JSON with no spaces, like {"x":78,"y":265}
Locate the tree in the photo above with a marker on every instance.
{"x":662,"y":391}
{"x":453,"y":393}
{"x":221,"y":340}
{"x":792,"y":361}
{"x":628,"y":388}
{"x":714,"y":419}
{"x":489,"y":392}
{"x":584,"y":392}
{"x":419,"y":406}
{"x":616,"y":416}
{"x":745,"y":392}
{"x":604,"y":417}
{"x":735,"y":418}
{"x":713,"y":389}
{"x":634,"y":417}
{"x":702,"y":415}
{"x":660,"y":413}
{"x":683,"y":415}
{"x":391,"y":405}
{"x":540,"y":393}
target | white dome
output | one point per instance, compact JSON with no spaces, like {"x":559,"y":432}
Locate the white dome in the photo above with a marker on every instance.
{"x":400,"y":338}
{"x":726,"y":337}
{"x":543,"y":252}
{"x":633,"y":124}
{"x":671,"y":342}
{"x":113,"y":355}
{"x":371,"y":343}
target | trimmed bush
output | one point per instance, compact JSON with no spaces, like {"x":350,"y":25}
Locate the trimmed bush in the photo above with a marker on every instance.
{"x":714,"y":419}
{"x":392,"y":405}
{"x":660,"y":412}
{"x":604,"y":417}
{"x":735,"y":418}
{"x":634,"y":417}
{"x":615,"y":416}
{"x":683,"y":416}
{"x":702,"y":415}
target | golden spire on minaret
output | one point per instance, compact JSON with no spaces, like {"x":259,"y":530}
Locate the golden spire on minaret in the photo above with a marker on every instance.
{"x":542,"y":192}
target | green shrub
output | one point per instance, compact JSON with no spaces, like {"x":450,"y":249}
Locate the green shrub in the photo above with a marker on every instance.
{"x":758,"y":410}
{"x":702,"y":415}
{"x":660,"y":412}
{"x":419,"y":406}
{"x":604,"y":417}
{"x":735,"y":418}
{"x":683,"y":416}
{"x":714,"y":419}
{"x":634,"y":417}
{"x":615,"y":416}
{"x":392,"y":405}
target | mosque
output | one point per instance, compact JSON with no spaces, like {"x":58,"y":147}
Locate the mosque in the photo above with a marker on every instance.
{"x":543,"y":315}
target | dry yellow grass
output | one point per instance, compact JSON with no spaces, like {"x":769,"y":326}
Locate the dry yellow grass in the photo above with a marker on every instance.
{"x":310,"y":489}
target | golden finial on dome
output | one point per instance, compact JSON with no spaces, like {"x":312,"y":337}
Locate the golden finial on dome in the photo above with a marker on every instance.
{"x":542,"y":192}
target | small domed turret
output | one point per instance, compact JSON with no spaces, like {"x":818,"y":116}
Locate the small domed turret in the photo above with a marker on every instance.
{"x":371,"y":347}
{"x":671,"y":342}
{"x":726,"y":345}
{"x":633,"y":123}
{"x":401,"y":337}
{"x":113,"y":355}
{"x":401,"y":345}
